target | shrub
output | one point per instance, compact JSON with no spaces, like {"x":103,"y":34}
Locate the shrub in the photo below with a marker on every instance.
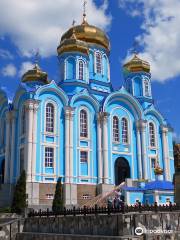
{"x":19,"y":198}
{"x":58,"y":197}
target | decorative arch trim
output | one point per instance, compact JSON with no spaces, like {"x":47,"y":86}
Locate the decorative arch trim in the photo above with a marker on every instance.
{"x":124,"y":96}
{"x":156,"y":114}
{"x":20,"y":92}
{"x":53,"y":87}
{"x":85,"y":95}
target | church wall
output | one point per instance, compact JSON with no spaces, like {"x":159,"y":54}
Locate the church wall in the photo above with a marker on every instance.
{"x":153,"y":152}
{"x":21,"y":140}
{"x":87,"y":172}
{"x":134,"y":197}
{"x":137,"y":86}
{"x":69,"y":71}
{"x":171,"y":154}
{"x":16,"y":150}
{"x":103,"y":77}
{"x":172,"y":170}
{"x":149,"y":198}
{"x":163,"y":198}
{"x":55,"y":140}
{"x":128,"y":151}
{"x":3,"y":110}
{"x":85,"y":193}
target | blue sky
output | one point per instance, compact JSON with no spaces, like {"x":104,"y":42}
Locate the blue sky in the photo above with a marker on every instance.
{"x":33,"y":25}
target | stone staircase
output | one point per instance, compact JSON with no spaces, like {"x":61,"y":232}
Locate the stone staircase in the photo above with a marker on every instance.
{"x":101,"y":200}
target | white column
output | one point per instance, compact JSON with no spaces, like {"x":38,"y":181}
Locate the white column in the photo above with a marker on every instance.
{"x":13,"y":121}
{"x":139,"y":151}
{"x":164,"y":130}
{"x":156,"y":197}
{"x":99,"y":136}
{"x":34,"y":140}
{"x":105,"y":147}
{"x":29,"y":139}
{"x":144,"y":150}
{"x":71,"y":125}
{"x":67,"y":144}
{"x":7,"y":150}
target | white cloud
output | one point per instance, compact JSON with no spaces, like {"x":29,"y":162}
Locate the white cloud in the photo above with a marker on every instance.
{"x":25,"y":66}
{"x":161,"y":35}
{"x":9,"y":70}
{"x":33,"y":24}
{"x":5,"y":54}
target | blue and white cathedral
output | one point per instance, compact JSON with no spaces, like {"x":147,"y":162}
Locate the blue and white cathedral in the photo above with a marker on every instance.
{"x":83,"y":131}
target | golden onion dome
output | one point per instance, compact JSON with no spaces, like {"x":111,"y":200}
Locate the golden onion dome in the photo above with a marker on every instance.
{"x":137,"y":65}
{"x":72,"y":44}
{"x":86,"y":33}
{"x":34,"y":75}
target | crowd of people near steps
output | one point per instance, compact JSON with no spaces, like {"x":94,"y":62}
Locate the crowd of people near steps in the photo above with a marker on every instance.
{"x":117,"y":201}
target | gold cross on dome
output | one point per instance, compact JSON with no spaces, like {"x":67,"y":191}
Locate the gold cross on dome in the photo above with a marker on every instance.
{"x":84,"y":5}
{"x":36,"y":57}
{"x":73,"y":23}
{"x":135,"y":47}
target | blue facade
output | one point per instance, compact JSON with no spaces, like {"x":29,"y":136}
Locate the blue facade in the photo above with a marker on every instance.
{"x":82,"y":130}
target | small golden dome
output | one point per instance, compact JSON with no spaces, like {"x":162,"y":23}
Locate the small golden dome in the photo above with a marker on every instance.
{"x":73,"y":44}
{"x":35,"y":74}
{"x":137,"y":65}
{"x":86,"y":33}
{"x":158,"y":170}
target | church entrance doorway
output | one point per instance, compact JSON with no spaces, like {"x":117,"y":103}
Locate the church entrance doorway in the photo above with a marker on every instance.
{"x":122,"y":170}
{"x":2,"y":171}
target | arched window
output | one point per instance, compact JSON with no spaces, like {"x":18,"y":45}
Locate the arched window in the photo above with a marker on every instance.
{"x":50,"y":118}
{"x":124,"y":124}
{"x":146,"y":88}
{"x":152,"y":137}
{"x":81,"y":70}
{"x":98,"y":63}
{"x":115,"y":129}
{"x":83,"y":123}
{"x":70,"y":68}
{"x":23,"y":121}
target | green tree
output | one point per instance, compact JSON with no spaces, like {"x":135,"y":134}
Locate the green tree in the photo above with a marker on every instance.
{"x":58,"y":197}
{"x":19,"y":198}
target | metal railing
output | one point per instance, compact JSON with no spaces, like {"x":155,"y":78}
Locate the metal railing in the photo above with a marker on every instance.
{"x":106,"y":210}
{"x":10,"y":223}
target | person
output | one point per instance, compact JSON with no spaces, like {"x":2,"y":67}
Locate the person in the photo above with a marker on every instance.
{"x":109,"y":203}
{"x":116,"y":202}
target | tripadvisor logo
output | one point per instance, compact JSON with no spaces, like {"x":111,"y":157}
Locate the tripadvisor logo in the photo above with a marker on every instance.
{"x":139,"y":231}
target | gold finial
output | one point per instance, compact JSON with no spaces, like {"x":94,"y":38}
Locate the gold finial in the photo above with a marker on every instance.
{"x":84,"y":12}
{"x":73,"y":23}
{"x":134,"y":49}
{"x":73,"y":34}
{"x":36,"y":58}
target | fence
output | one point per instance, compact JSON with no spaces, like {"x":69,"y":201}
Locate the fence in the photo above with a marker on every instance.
{"x":9,"y":229}
{"x":106,"y":210}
